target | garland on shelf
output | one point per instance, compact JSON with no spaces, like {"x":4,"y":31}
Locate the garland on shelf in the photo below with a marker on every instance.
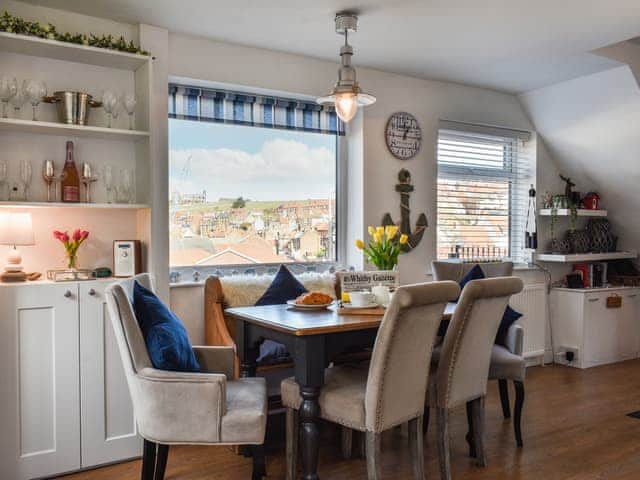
{"x":12,"y":24}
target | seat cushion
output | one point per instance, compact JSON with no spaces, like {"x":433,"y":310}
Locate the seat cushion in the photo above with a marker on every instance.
{"x":284,"y":287}
{"x":341,"y":398}
{"x":164,"y":335}
{"x":245,"y":419}
{"x":506,"y":365}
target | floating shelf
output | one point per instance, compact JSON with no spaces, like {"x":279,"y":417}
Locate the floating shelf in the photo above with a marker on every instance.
{"x":112,"y":206}
{"x":565,"y":212}
{"x":584,"y":257}
{"x":53,"y":128}
{"x":70,"y":52}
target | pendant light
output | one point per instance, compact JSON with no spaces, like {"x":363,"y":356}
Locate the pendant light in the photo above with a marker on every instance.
{"x":346,"y":95}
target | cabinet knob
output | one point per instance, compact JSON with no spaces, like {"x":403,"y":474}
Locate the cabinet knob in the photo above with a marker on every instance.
{"x":67,"y":294}
{"x":92,"y":292}
{"x":594,"y":299}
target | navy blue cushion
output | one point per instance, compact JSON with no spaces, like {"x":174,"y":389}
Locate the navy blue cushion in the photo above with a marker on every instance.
{"x":475,"y":273}
{"x":284,"y":287}
{"x":166,"y":338}
{"x":509,"y":318}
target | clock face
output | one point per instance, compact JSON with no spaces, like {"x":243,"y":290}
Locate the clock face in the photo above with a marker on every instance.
{"x":403,"y":135}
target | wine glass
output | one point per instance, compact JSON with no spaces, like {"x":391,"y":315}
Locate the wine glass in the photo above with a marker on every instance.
{"x":115,"y":110}
{"x":8,"y":88}
{"x":25,"y":176}
{"x":129,"y":102}
{"x":3,"y":180}
{"x":108,"y":182}
{"x":18,"y":100}
{"x":109,"y":101}
{"x":126,"y":181}
{"x":35,"y":91}
{"x":48,"y":175}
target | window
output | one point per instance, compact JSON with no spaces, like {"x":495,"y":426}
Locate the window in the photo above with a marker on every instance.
{"x":483,"y":180}
{"x":252,"y":179}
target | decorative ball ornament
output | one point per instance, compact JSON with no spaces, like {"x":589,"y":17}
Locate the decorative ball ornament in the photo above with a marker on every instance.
{"x":403,"y":135}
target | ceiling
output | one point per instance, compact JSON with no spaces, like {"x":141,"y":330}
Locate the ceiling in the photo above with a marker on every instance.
{"x":508,"y":45}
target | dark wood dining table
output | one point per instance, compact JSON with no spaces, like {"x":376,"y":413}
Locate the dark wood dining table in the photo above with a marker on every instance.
{"x":313,"y":338}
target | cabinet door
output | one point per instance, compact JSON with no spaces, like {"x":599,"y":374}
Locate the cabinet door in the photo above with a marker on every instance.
{"x":601,"y":330}
{"x":109,"y":430}
{"x":629,"y":325}
{"x":39,"y":380}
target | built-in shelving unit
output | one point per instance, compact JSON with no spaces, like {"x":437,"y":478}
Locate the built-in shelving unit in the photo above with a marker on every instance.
{"x":566,"y":212}
{"x":584,"y":257}
{"x":70,"y":52}
{"x":111,"y":206}
{"x":81,"y":131}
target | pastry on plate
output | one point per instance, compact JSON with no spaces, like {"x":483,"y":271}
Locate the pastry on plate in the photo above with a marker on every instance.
{"x":314,"y":298}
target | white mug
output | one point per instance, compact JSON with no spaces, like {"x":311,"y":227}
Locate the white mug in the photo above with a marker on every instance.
{"x":381,"y":294}
{"x":361,"y":299}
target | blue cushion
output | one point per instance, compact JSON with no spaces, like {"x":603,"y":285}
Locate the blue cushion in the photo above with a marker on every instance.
{"x":475,"y":273}
{"x":272,"y":353}
{"x":166,"y":338}
{"x":284,"y":287}
{"x":509,"y":318}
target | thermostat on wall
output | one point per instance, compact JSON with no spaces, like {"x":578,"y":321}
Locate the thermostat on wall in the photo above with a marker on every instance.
{"x":126,"y":258}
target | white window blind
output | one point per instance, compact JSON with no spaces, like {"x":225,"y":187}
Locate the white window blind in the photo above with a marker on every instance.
{"x":483,"y":181}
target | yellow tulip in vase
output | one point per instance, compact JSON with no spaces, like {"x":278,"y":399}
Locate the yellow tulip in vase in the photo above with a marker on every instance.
{"x":384,"y":246}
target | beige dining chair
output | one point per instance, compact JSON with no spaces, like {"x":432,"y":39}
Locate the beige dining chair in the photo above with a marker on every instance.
{"x":391,"y":391}
{"x":177,"y":408}
{"x":507,"y":361}
{"x":460,"y":374}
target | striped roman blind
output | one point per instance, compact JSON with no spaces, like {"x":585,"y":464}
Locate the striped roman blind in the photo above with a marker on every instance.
{"x":217,"y":105}
{"x":484,"y":174}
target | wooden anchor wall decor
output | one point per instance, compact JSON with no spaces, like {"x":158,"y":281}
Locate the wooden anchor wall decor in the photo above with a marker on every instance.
{"x":405,"y":188}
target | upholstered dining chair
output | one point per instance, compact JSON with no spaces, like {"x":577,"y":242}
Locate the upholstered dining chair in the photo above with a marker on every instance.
{"x":460,"y":374}
{"x":176,"y":408}
{"x":507,"y":362}
{"x":391,"y":391}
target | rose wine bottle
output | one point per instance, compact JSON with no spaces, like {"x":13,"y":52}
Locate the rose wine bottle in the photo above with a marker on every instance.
{"x":70,"y":179}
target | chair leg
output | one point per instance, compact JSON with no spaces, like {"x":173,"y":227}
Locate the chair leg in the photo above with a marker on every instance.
{"x":416,"y":447}
{"x":477,"y":416}
{"x":444,"y":456}
{"x":517,"y":411}
{"x":148,"y":460}
{"x":347,"y":442}
{"x":504,"y":397}
{"x":259,"y":466}
{"x":469,"y":436}
{"x":373,"y":455}
{"x":161,"y":461}
{"x":292,"y":443}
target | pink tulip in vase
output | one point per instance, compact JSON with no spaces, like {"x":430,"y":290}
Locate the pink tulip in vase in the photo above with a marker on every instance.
{"x":71,"y":245}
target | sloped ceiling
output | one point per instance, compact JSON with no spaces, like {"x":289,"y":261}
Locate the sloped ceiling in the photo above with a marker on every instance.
{"x":591,"y":126}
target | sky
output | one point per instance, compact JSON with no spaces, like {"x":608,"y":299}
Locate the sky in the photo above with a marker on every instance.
{"x":230,"y":161}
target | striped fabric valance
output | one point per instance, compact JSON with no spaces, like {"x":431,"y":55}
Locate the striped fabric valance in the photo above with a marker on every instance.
{"x":216,"y":105}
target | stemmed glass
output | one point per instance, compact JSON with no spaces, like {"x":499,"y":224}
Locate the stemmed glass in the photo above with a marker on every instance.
{"x":49,"y":176}
{"x":108,"y":182}
{"x":35,"y":90}
{"x":25,"y":176}
{"x":87,"y":179}
{"x":126,"y":185}
{"x":109,"y":102}
{"x":3,"y":180}
{"x":18,"y":100}
{"x":129,"y":102}
{"x":8,"y":88}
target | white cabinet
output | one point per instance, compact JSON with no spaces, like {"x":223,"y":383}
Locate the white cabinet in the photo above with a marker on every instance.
{"x":108,"y":426}
{"x":65,"y":405}
{"x":583,"y":322}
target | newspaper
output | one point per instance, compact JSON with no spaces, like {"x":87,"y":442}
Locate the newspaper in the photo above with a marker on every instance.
{"x":356,"y":281}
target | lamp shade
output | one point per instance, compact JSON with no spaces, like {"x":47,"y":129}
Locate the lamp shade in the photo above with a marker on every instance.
{"x":16,"y":229}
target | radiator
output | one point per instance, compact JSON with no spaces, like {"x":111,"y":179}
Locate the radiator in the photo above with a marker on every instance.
{"x":532,"y":304}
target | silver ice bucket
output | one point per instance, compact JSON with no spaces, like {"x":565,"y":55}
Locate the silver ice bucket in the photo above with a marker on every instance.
{"x":73,"y":107}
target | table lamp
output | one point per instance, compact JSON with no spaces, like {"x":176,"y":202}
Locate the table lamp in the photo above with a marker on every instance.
{"x":16,"y":229}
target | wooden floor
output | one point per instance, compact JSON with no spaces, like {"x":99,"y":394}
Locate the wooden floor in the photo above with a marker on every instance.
{"x":574,"y":425}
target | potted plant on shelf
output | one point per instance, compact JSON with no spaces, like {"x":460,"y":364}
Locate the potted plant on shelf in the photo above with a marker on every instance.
{"x":384,"y":246}
{"x":71,"y":245}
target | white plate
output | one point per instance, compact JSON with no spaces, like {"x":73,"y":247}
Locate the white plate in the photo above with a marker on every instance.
{"x":370,"y":305}
{"x":292,"y":303}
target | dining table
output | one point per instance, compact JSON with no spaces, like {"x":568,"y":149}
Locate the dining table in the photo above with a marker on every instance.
{"x":313,"y":338}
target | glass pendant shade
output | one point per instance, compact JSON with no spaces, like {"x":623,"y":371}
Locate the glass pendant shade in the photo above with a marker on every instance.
{"x":346,"y":106}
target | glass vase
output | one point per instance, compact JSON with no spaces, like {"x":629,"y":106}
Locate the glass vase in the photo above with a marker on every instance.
{"x":72,"y":261}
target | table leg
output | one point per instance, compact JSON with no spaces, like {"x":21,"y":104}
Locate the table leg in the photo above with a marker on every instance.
{"x":310,"y":363}
{"x":247,"y":351}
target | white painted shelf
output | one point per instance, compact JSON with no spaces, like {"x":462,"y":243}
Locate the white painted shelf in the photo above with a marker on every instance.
{"x":584,"y":257}
{"x":70,"y":52}
{"x":565,"y":212}
{"x":112,"y":206}
{"x":54,"y":128}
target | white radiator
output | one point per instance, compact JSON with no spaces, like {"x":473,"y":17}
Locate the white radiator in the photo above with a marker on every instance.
{"x":532,"y":304}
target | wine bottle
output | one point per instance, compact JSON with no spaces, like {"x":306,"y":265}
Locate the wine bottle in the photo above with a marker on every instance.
{"x":70,"y":179}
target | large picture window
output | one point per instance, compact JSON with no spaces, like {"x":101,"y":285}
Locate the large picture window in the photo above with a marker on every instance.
{"x":250,"y":186}
{"x":483,"y":179}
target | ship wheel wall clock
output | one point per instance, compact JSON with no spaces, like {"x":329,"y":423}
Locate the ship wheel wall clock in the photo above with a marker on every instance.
{"x":403,"y":135}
